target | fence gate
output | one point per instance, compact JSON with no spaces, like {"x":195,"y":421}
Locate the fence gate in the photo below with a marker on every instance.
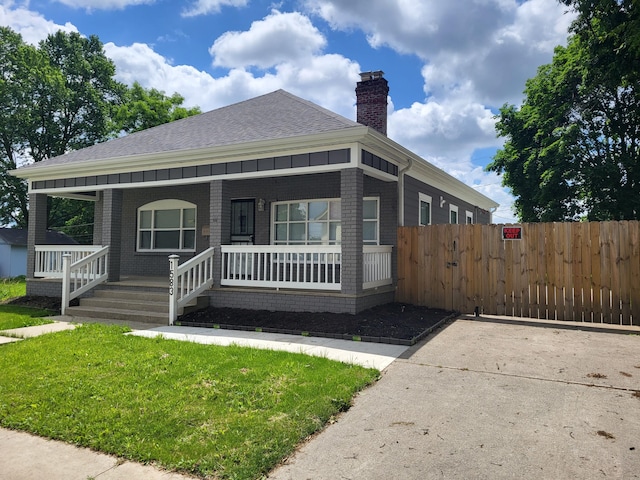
{"x":561,"y":271}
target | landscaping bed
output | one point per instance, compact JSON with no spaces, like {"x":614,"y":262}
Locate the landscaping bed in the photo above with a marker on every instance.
{"x":394,"y":323}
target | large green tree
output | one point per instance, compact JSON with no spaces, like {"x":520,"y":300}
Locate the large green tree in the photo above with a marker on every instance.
{"x":59,"y":96}
{"x":572,"y":149}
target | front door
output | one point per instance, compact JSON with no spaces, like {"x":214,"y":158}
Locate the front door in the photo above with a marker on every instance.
{"x":242,"y":222}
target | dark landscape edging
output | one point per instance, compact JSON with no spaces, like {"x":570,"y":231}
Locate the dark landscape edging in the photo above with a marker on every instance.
{"x":338,"y":336}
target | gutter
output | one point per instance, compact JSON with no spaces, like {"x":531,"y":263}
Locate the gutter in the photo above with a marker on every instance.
{"x":401,"y":191}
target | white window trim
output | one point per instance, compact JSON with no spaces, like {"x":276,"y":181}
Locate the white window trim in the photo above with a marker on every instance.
{"x":469,"y":215}
{"x":427,"y":199}
{"x":454,"y":208}
{"x":339,"y":200}
{"x":167,"y":204}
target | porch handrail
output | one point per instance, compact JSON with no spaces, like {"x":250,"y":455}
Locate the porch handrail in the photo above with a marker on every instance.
{"x":376,"y":266}
{"x":82,"y":275}
{"x":309,"y":267}
{"x":188,"y":280}
{"x":49,"y":258}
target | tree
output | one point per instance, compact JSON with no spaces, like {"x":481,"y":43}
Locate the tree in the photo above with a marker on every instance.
{"x":60,"y":96}
{"x":144,"y":109}
{"x":572,"y":149}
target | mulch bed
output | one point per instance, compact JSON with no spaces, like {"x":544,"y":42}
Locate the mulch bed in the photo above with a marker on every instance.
{"x":394,"y":323}
{"x":46,"y":303}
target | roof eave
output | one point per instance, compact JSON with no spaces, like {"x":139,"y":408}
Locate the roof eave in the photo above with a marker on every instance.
{"x":436,"y":176}
{"x":187,"y":157}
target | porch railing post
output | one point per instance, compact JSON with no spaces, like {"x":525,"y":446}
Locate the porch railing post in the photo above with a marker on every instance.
{"x":173,"y":294}
{"x":66,"y":282}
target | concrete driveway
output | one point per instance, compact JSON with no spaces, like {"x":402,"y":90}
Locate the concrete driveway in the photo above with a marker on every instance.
{"x":491,"y":399}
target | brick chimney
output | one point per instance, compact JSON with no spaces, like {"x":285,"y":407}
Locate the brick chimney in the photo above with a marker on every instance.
{"x":371,"y":100}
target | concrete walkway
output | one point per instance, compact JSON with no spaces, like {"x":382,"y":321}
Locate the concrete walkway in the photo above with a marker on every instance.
{"x":493,"y":400}
{"x":484,"y":398}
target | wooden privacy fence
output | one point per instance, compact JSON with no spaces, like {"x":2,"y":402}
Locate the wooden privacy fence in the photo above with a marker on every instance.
{"x":559,"y":271}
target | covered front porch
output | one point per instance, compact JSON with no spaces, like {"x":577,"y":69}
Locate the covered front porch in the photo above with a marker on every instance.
{"x":247,"y":274}
{"x":318,"y":242}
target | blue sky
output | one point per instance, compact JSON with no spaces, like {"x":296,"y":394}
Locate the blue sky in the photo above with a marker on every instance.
{"x":450,"y":64}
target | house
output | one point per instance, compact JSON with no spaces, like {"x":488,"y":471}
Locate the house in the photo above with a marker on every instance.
{"x":273,"y":202}
{"x":13,"y":249}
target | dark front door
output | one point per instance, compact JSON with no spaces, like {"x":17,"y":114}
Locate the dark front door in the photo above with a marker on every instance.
{"x":242,"y":222}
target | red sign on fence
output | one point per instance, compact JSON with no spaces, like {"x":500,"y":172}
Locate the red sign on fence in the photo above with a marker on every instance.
{"x":512,"y":233}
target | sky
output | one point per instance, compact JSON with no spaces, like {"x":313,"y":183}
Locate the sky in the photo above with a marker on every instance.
{"x":450,"y":64}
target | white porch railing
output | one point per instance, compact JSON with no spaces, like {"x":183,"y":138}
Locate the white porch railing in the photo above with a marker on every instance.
{"x":188,"y":280}
{"x":311,"y":267}
{"x":82,"y":275}
{"x":376,"y":266}
{"x":315,"y":267}
{"x":49,"y":258}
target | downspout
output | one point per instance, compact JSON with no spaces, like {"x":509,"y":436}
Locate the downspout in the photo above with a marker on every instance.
{"x":401,"y":191}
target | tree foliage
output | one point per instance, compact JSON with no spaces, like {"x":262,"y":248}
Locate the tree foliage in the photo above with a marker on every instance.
{"x":144,"y":109}
{"x":572,"y":149}
{"x":58,"y":96}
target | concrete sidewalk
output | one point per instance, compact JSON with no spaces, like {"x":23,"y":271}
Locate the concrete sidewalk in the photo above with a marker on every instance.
{"x":491,"y":400}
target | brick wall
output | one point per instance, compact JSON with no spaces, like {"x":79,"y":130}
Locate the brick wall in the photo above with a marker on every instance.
{"x":371,"y":101}
{"x":291,"y":301}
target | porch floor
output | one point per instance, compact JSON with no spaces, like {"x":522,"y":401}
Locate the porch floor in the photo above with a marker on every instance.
{"x":141,"y":281}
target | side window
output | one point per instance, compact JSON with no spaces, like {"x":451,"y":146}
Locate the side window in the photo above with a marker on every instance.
{"x":424,"y":214}
{"x":453,"y":214}
{"x":370,"y":223}
{"x":469,"y":217}
{"x":166,"y":225}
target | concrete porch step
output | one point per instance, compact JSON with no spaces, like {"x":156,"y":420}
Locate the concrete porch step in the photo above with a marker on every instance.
{"x":131,"y":295}
{"x":118,"y":314}
{"x":138,"y":304}
{"x":128,"y":304}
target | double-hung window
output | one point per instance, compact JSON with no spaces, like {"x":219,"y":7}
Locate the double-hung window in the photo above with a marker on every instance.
{"x":370,"y":223}
{"x":453,"y":214}
{"x":167,"y":226}
{"x":424,"y":214}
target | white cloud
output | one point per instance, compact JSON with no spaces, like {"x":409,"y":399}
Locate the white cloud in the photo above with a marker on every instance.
{"x":31,"y":25}
{"x":204,"y":7}
{"x":326,"y":79}
{"x":488,"y":46}
{"x":104,"y":4}
{"x":278,"y":38}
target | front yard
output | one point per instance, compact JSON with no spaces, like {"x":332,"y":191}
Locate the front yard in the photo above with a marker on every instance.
{"x":216,"y":412}
{"x":15,"y":316}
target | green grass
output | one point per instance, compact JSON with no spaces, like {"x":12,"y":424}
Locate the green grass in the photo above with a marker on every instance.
{"x":12,"y":287}
{"x":218,"y":412}
{"x":14,"y":316}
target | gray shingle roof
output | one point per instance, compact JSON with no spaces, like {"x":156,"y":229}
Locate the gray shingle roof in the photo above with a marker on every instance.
{"x":276,"y":115}
{"x":18,"y":236}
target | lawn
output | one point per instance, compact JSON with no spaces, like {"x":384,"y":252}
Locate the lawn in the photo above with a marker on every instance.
{"x":216,"y":412}
{"x":13,"y":316}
